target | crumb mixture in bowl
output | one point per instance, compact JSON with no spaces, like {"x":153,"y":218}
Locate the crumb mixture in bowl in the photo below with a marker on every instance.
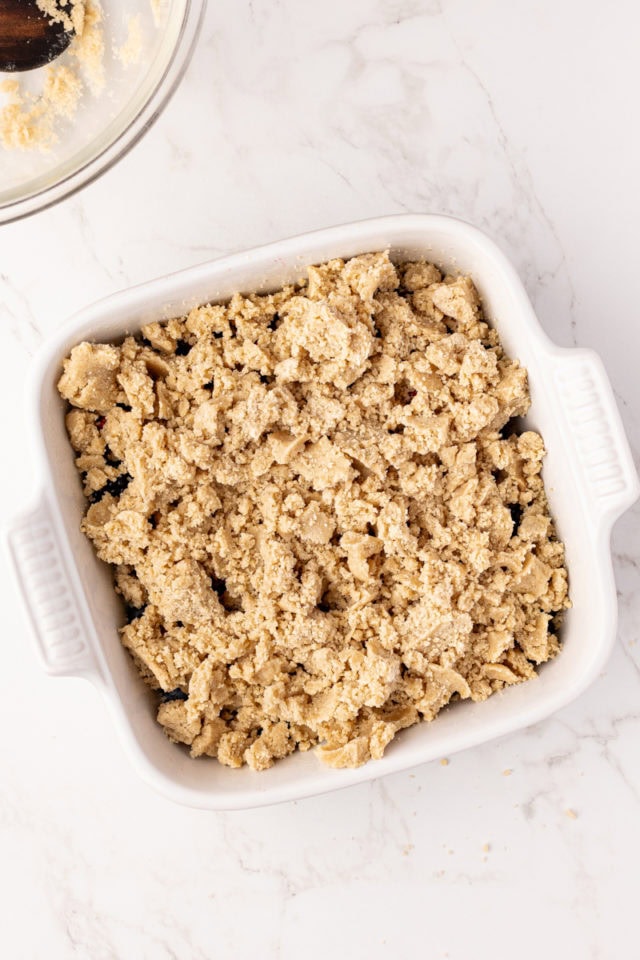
{"x":64,"y":124}
{"x":29,"y":120}
{"x":33,"y":119}
{"x":319,"y":515}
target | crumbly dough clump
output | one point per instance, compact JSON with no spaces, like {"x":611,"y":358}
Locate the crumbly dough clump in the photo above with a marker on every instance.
{"x":131,"y":50}
{"x":318,"y":515}
{"x":70,"y":13}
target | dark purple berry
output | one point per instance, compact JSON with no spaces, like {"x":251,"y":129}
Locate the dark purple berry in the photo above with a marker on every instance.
{"x":166,"y":696}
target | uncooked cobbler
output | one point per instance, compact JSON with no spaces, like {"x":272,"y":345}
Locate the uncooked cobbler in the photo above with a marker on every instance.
{"x":318,"y":516}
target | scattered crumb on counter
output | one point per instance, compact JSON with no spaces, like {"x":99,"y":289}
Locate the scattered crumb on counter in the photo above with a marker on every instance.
{"x":571,"y":814}
{"x":507,"y":772}
{"x":486,"y":847}
{"x":444,"y":762}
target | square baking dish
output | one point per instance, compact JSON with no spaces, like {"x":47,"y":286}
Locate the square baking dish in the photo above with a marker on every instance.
{"x":589,"y":475}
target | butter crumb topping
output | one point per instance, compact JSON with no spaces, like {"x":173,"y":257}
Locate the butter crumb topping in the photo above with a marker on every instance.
{"x":320,"y":525}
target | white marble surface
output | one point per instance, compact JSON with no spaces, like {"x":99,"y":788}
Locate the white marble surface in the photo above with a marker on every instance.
{"x":519,"y":117}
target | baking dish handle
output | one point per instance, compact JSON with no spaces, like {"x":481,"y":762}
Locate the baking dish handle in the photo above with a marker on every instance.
{"x":596,"y":433}
{"x":48,"y":593}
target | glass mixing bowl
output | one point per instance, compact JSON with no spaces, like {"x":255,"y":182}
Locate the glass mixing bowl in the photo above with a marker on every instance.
{"x":108,"y":124}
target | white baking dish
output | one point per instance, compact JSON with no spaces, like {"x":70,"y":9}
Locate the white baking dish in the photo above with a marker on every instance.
{"x":589,"y":475}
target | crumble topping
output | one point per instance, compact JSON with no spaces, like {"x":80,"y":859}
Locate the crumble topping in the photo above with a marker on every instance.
{"x":318,"y":514}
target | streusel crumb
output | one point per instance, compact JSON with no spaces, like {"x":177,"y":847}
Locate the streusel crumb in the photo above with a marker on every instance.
{"x":319,"y":518}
